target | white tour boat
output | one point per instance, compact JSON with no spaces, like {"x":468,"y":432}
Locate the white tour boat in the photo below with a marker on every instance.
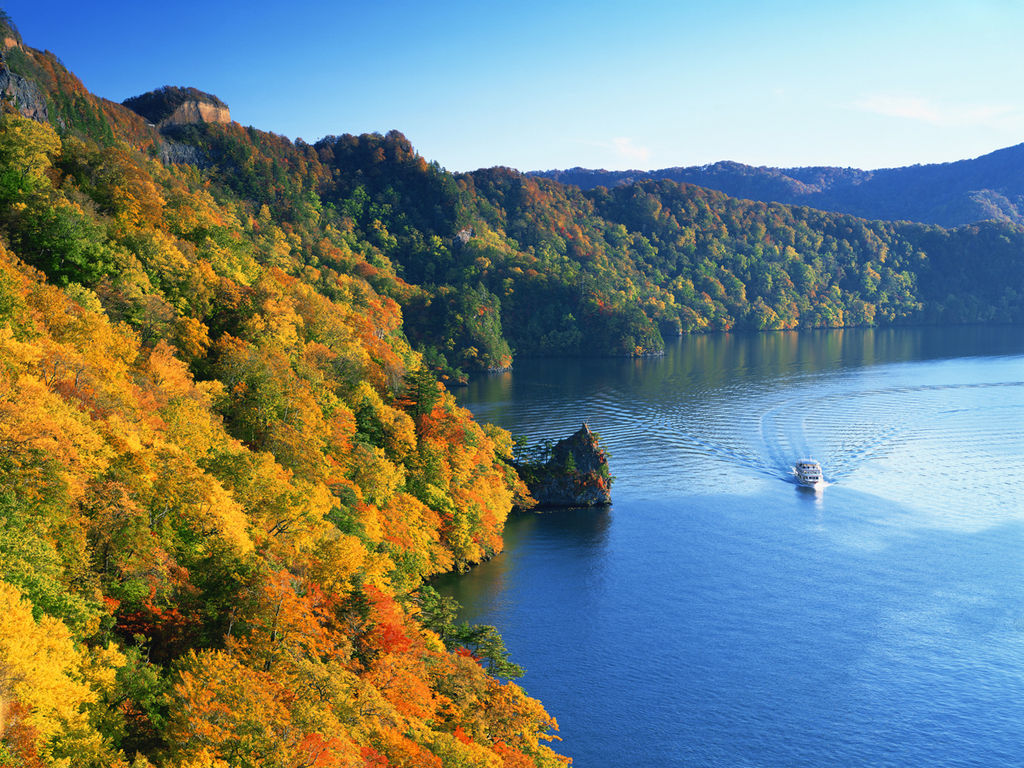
{"x":808,"y":473}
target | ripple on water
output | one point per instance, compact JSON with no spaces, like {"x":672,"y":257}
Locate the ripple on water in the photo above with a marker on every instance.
{"x":952,"y":447}
{"x":716,"y":617}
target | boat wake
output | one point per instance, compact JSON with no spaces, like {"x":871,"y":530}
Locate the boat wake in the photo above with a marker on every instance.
{"x":849,"y":430}
{"x":957,"y":444}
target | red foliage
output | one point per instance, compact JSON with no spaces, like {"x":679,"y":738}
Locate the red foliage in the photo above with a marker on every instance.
{"x":373,"y":759}
{"x":386,"y":631}
{"x":19,"y":737}
{"x":366,"y":270}
{"x":318,"y":752}
{"x":512,"y":758}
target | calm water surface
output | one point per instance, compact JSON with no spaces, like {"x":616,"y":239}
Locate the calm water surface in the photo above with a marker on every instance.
{"x":717,"y":614}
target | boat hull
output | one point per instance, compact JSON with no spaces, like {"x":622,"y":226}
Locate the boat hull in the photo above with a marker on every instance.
{"x":808,"y":474}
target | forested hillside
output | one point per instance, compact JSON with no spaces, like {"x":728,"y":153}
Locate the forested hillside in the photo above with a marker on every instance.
{"x":609,"y":270}
{"x":990,"y":187}
{"x":227,"y":464}
{"x":492,"y":262}
{"x":224,"y":476}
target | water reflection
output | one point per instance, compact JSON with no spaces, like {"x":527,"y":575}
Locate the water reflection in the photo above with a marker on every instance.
{"x":582,"y":528}
{"x":578,"y":533}
{"x":714,"y":618}
{"x":880,"y":409}
{"x":811,"y":496}
{"x":715,"y":360}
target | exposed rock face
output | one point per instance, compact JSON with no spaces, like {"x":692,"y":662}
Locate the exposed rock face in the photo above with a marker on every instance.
{"x":196,"y":112}
{"x":576,"y":475}
{"x":184,"y":154}
{"x":171,"y":106}
{"x":24,"y":96}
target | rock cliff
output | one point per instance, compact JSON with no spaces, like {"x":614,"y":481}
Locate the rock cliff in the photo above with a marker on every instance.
{"x":182,"y":154}
{"x":171,"y":106}
{"x":196,"y":112}
{"x":575,"y":475}
{"x":18,"y":94}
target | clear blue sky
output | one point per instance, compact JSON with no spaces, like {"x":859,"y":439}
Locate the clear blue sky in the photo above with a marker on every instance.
{"x":539,"y":85}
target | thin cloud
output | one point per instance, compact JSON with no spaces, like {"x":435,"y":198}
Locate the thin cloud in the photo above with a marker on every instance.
{"x":925,"y":111}
{"x":630,"y":151}
{"x":630,"y":154}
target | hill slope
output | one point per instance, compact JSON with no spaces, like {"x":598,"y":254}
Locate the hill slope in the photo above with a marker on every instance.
{"x":224,"y":476}
{"x":227,"y":467}
{"x":492,"y":262}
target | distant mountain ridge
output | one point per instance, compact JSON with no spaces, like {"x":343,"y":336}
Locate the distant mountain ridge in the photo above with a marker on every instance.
{"x":990,"y":187}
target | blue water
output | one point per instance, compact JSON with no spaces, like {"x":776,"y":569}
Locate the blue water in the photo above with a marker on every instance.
{"x":719,"y":615}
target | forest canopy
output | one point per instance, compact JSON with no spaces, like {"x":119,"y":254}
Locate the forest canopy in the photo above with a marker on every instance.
{"x":227,"y":467}
{"x":494,"y":263}
{"x":225,"y":476}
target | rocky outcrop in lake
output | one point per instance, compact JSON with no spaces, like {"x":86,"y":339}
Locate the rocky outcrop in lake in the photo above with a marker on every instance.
{"x":575,"y":473}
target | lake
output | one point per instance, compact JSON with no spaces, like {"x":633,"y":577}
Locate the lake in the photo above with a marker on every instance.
{"x":718,"y":614}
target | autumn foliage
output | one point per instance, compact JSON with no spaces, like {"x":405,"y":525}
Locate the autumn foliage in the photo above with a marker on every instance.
{"x":226,"y":464}
{"x":224,"y":477}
